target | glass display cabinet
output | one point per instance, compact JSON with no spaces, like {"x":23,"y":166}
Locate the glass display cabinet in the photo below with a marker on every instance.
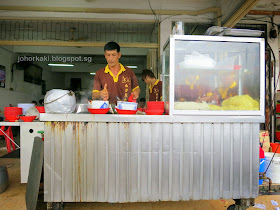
{"x":210,"y":75}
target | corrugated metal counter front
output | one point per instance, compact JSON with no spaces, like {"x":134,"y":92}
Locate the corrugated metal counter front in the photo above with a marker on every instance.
{"x":95,"y":161}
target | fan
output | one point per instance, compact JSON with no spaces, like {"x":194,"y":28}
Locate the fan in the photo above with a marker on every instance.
{"x":71,"y":36}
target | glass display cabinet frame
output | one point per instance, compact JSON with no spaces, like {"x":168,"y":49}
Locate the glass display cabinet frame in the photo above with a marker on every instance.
{"x":170,"y":65}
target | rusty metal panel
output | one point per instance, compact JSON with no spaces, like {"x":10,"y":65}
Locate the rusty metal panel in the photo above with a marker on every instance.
{"x":133,"y":162}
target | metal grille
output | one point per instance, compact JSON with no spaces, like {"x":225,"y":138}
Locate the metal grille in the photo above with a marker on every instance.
{"x":139,"y":162}
{"x":38,"y":30}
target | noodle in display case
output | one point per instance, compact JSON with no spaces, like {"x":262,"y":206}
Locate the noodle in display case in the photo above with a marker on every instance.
{"x":207,"y":74}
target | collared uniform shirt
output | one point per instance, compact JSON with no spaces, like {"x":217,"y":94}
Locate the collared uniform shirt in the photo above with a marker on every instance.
{"x":155,"y":91}
{"x":120,"y":86}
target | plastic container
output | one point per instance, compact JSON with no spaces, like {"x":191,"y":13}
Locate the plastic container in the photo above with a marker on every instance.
{"x":12,"y":113}
{"x":278,"y":135}
{"x":154,"y":112}
{"x":261,"y":154}
{"x":28,"y":118}
{"x":25,"y":107}
{"x":129,"y":112}
{"x":98,"y":104}
{"x":12,"y":118}
{"x":98,"y":111}
{"x":41,"y":109}
{"x":126,"y":105}
{"x":262,"y":168}
{"x":155,"y":105}
{"x":274,"y":147}
{"x":274,"y":168}
{"x":278,"y":108}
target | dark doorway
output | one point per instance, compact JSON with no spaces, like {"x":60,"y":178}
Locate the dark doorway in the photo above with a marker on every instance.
{"x":76,"y":84}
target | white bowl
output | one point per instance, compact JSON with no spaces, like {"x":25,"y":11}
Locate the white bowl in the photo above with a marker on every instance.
{"x":126,"y":105}
{"x":98,"y":104}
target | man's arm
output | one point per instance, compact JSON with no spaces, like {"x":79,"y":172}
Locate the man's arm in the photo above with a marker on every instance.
{"x":96,"y":94}
{"x":136,"y":93}
{"x":135,"y":86}
{"x":103,"y":94}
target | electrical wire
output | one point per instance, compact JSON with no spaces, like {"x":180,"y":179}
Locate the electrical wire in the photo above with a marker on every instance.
{"x":156,"y":20}
{"x":264,"y":21}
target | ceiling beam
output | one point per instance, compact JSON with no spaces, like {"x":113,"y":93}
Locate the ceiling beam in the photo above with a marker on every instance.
{"x":111,"y":10}
{"x":77,"y":44}
{"x":263,"y":12}
{"x":240,"y":13}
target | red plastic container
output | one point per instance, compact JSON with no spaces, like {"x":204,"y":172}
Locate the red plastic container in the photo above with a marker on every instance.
{"x":278,"y":108}
{"x":154,"y":112}
{"x":98,"y":111}
{"x":278,"y":135}
{"x":142,"y":109}
{"x":261,"y":154}
{"x":124,"y":111}
{"x":11,"y":118}
{"x":12,"y":111}
{"x":27,"y":118}
{"x":41,"y":109}
{"x":155,"y":105}
{"x":274,"y":147}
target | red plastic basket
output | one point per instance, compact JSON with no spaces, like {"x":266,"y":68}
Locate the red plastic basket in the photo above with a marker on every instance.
{"x":12,"y":111}
{"x":155,"y":105}
{"x":274,"y":147}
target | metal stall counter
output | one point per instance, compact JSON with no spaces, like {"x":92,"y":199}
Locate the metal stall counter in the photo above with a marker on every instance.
{"x":206,"y":147}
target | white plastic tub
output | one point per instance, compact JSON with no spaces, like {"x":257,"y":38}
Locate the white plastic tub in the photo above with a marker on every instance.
{"x":25,"y":107}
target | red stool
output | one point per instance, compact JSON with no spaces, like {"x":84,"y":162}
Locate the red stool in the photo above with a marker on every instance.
{"x":8,"y":133}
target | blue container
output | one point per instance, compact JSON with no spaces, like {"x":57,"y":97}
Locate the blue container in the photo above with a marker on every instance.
{"x":262,"y":168}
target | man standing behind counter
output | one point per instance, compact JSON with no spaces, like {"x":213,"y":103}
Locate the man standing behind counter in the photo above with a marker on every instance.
{"x":155,"y":86}
{"x":115,"y":80}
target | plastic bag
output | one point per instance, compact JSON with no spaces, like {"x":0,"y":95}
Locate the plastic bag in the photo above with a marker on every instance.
{"x":60,"y":101}
{"x":197,"y":61}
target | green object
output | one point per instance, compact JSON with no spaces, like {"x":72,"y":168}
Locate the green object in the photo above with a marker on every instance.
{"x":40,"y":132}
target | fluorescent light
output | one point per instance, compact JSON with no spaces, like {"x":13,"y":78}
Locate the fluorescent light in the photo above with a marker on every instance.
{"x":132,"y":67}
{"x":92,"y":73}
{"x":60,"y":64}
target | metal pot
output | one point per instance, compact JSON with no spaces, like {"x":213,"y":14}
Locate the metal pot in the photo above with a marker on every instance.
{"x":4,"y":178}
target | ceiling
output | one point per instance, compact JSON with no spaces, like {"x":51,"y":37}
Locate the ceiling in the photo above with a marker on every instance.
{"x":196,"y":10}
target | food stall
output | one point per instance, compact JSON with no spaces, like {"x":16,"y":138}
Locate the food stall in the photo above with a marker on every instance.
{"x":205,"y":146}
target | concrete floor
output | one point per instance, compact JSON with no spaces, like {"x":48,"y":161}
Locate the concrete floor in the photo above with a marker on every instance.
{"x":14,"y":197}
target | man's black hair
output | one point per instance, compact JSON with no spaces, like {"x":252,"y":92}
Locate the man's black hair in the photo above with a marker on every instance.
{"x":34,"y":102}
{"x":41,"y":101}
{"x":112,"y":46}
{"x":142,"y":100}
{"x":147,"y":72}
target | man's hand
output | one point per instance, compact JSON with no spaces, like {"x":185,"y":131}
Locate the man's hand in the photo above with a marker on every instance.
{"x":136,"y":93}
{"x":104,"y":94}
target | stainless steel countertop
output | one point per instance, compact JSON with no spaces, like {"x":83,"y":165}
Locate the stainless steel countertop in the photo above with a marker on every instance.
{"x":148,"y":118}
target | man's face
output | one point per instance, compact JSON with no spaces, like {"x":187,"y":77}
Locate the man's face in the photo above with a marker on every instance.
{"x":142,"y":104}
{"x":112,"y":57}
{"x":147,"y":80}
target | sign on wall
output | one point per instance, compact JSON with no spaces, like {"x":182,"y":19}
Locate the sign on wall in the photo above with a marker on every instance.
{"x":2,"y":76}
